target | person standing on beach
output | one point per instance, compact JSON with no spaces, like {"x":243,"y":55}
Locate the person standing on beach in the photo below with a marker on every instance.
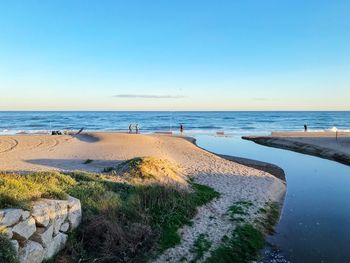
{"x":137,"y":128}
{"x":130,"y":128}
{"x":181,"y":128}
{"x":305,"y":128}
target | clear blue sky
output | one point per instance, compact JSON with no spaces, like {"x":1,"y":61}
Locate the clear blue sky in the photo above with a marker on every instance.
{"x":175,"y":55}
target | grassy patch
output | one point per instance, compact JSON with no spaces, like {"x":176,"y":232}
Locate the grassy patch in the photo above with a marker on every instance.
{"x":239,"y":210}
{"x":242,"y":246}
{"x":122,"y":221}
{"x":136,"y":221}
{"x":270,"y":215}
{"x":245,"y":242}
{"x":20,"y":190}
{"x":7,"y":251}
{"x":108,"y":169}
{"x":200,"y":246}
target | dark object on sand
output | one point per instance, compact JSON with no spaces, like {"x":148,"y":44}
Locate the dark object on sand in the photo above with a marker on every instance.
{"x":80,"y":131}
{"x":56,"y":133}
{"x":137,"y":128}
{"x":305,"y":128}
{"x":181,"y":128}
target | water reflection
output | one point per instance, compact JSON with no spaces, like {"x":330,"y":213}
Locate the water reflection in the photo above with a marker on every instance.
{"x":315,"y":223}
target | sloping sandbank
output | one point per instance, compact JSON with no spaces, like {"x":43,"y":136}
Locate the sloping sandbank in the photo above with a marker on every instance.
{"x":234,"y":181}
{"x":328,"y":145}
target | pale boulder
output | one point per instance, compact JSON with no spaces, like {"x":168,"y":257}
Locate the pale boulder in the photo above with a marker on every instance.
{"x":25,"y":215}
{"x":40,"y":212}
{"x":24,"y":230}
{"x":31,"y":252}
{"x":74,"y":212}
{"x":7,"y":231}
{"x":64,"y":227}
{"x":10,"y":216}
{"x":57,"y":244}
{"x":61,"y":208}
{"x":43,"y":235}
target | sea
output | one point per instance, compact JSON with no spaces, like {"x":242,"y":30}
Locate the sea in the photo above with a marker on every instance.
{"x":197,"y":122}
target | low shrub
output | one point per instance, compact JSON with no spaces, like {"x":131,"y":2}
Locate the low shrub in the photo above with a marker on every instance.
{"x":123,"y":220}
{"x":7,"y":251}
{"x":19,"y":190}
{"x":242,"y":246}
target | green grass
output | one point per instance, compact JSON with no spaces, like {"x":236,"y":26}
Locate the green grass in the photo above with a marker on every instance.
{"x":242,"y":246}
{"x":200,"y":246}
{"x":270,"y":215}
{"x":7,"y":251}
{"x":20,"y":190}
{"x":246,"y":241}
{"x":122,"y":222}
{"x":239,"y":210}
{"x":108,"y":169}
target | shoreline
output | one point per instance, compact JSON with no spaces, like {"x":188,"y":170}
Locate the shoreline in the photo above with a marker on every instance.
{"x":320,"y":144}
{"x":270,"y":168}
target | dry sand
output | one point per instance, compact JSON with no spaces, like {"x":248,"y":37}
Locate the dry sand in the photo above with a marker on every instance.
{"x":328,"y":145}
{"x":234,"y":181}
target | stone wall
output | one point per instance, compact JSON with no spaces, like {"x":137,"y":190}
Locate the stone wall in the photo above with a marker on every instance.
{"x":40,"y":233}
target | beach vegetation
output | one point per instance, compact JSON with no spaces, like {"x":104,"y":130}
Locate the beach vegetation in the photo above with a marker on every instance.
{"x":242,"y":246}
{"x":123,"y":220}
{"x":19,"y":190}
{"x":7,"y":251}
{"x":269,"y":216}
{"x":247,"y":239}
{"x":239,"y":210}
{"x":200,"y":246}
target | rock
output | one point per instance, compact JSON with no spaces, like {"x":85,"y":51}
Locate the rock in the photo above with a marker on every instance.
{"x":74,"y":212}
{"x":25,"y":215}
{"x":64,"y":227}
{"x":31,"y":252}
{"x":10,"y":216}
{"x":15,"y":245}
{"x":24,"y":230}
{"x":7,"y":231}
{"x":73,"y":204}
{"x":57,"y":244}
{"x":40,"y":212}
{"x":43,"y":235}
{"x":61,"y":215}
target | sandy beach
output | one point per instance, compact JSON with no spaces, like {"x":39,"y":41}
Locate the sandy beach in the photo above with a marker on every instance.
{"x":328,"y":145}
{"x":234,"y":181}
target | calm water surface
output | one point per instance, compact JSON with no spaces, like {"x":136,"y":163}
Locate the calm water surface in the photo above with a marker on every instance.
{"x":315,"y":223}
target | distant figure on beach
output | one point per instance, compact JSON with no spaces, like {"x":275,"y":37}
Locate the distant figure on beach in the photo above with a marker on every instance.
{"x":137,"y":128}
{"x":305,"y":128}
{"x":181,"y":128}
{"x":130,"y":128}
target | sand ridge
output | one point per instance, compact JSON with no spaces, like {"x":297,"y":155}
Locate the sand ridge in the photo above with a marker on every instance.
{"x":328,"y":145}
